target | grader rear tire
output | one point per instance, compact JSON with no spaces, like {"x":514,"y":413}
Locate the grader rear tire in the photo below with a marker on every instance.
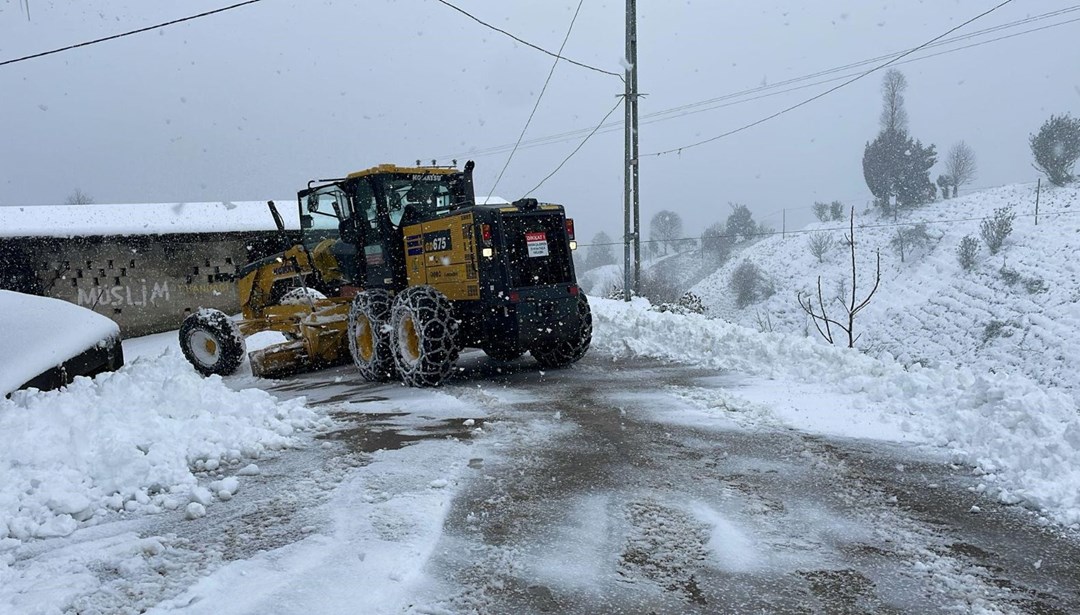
{"x":573,"y":346}
{"x":369,"y":338}
{"x":423,"y":334}
{"x":212,"y":342}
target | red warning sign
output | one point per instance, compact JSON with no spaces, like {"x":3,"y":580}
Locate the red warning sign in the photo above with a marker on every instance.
{"x":537,"y":243}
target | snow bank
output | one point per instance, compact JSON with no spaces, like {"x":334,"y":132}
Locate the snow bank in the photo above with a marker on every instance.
{"x":1016,"y":311}
{"x":42,"y":334}
{"x":1025,"y":438}
{"x":129,"y":440}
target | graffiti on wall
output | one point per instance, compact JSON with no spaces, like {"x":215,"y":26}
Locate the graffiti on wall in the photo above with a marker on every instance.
{"x":134,"y":295}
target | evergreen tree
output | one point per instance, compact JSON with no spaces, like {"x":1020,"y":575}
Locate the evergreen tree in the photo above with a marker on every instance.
{"x":913,"y":186}
{"x":740,"y":222}
{"x":895,"y":166}
{"x":1056,"y":148}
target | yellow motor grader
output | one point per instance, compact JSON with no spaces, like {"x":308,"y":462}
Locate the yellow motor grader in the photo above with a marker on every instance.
{"x":399,"y":269}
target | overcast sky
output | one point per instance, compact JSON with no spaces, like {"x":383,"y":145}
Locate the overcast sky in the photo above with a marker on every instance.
{"x":252,"y":103}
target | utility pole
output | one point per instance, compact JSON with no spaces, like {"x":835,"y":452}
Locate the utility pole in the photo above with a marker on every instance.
{"x":631,"y":224}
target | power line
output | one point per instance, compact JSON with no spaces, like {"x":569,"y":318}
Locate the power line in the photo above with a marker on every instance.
{"x":834,"y":88}
{"x":571,"y":155}
{"x":836,"y":69}
{"x":122,"y":35}
{"x":848,"y":75}
{"x":557,"y":56}
{"x":691,"y":108}
{"x":536,"y":105}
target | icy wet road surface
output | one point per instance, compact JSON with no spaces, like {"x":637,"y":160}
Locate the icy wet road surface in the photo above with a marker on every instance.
{"x":629,"y":512}
{"x":588,"y":490}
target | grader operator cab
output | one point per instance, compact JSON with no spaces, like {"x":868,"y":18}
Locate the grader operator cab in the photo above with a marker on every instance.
{"x":399,"y":269}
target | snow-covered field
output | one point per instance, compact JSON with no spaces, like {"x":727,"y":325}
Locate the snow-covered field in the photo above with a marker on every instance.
{"x":1017,"y":311}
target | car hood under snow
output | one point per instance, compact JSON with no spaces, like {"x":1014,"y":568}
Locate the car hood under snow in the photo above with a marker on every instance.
{"x":41,"y":333}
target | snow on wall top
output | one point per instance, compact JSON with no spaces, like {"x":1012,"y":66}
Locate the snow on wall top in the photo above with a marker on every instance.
{"x":151,"y":218}
{"x":45,"y":332}
{"x":143,"y":218}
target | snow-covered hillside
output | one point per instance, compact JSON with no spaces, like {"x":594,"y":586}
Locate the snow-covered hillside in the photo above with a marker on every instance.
{"x":1017,"y":311}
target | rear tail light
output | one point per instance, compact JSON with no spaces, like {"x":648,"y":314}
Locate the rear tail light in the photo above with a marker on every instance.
{"x":485,"y":233}
{"x":514,"y":296}
{"x":570,"y":228}
{"x":574,"y":290}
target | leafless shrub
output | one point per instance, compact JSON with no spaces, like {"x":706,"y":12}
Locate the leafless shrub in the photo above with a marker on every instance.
{"x":658,"y":288}
{"x":820,"y":243}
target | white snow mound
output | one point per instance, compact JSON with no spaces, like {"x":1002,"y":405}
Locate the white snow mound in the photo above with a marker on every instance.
{"x":129,"y":440}
{"x":1023,"y":436}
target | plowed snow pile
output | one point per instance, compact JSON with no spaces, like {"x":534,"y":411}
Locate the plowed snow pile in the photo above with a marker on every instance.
{"x":129,"y":440}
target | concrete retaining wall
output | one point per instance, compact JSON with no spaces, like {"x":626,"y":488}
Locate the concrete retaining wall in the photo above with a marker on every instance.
{"x":146,"y":283}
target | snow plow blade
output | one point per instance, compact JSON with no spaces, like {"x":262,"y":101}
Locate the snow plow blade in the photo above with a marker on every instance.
{"x":287,"y":359}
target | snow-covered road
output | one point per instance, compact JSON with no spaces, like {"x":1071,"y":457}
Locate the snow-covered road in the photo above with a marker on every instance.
{"x":601,"y":489}
{"x":755,"y":472}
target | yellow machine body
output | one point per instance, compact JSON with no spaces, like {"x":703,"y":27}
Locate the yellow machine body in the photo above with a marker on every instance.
{"x":442,"y":254}
{"x":316,"y":327}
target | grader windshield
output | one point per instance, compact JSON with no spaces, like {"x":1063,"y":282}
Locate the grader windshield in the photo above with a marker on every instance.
{"x":412,"y":197}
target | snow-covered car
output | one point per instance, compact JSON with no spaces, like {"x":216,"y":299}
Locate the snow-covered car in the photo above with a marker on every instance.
{"x":46,"y":342}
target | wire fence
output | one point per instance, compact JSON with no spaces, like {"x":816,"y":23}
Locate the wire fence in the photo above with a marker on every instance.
{"x":1034,"y":213}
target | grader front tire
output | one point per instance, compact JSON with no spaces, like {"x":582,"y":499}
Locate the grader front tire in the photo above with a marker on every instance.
{"x":369,"y":340}
{"x":212,"y":342}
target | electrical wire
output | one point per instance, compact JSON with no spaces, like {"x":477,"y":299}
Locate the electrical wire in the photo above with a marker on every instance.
{"x":557,"y":56}
{"x":695,"y":107}
{"x":539,"y":97}
{"x":836,"y":69}
{"x":786,"y":110}
{"x":571,"y":155}
{"x":123,"y":34}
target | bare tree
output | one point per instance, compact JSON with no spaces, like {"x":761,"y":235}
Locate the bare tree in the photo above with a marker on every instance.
{"x":893,"y":115}
{"x":960,"y":165}
{"x":665,"y":228}
{"x":820,"y":314}
{"x":79,"y":198}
